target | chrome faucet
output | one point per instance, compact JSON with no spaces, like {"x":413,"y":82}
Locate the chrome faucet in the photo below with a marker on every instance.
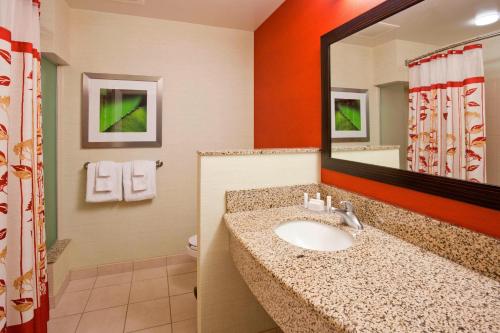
{"x":347,"y":215}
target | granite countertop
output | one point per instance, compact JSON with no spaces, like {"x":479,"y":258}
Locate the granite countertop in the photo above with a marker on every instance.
{"x":363,"y":148}
{"x":381,"y":283}
{"x":269,"y":151}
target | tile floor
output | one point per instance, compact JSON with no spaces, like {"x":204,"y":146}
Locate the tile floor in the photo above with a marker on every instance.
{"x":151,"y":300}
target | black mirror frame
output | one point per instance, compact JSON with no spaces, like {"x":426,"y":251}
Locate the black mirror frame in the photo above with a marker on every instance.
{"x":483,"y":195}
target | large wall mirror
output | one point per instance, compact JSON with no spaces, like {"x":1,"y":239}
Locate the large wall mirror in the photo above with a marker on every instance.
{"x":411,"y":97}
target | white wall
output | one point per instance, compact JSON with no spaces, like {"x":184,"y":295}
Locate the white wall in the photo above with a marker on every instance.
{"x":225,"y":304}
{"x":207,"y":103}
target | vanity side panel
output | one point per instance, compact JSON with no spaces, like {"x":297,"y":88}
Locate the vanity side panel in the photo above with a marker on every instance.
{"x":225,"y":304}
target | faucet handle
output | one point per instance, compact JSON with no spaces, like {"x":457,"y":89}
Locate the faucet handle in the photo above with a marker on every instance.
{"x":347,"y":205}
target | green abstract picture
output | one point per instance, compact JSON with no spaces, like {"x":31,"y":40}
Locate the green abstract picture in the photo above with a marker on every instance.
{"x":347,"y":115}
{"x":123,"y":110}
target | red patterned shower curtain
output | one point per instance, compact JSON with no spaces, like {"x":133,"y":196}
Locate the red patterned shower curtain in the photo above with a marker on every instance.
{"x":23,"y":275}
{"x":447,"y":134}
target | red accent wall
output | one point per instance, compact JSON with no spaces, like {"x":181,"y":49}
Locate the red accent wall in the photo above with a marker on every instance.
{"x":288,"y":103}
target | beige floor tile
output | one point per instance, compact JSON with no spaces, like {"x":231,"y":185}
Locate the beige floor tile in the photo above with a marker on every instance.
{"x":113,"y":279}
{"x":80,"y":284}
{"x":150,"y":263}
{"x":71,"y":303}
{"x":147,"y":314}
{"x":114,"y":268}
{"x":64,"y":324}
{"x":179,"y":259}
{"x":103,"y":321}
{"x":183,"y":268}
{"x":146,"y":290}
{"x":183,"y":307}
{"x":150,"y":273}
{"x":185,"y":326}
{"x":182,"y":284}
{"x":107,"y":297}
{"x":83,"y":272}
{"x":157,"y":329}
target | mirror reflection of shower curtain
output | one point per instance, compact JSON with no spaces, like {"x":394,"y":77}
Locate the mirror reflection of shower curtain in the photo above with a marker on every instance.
{"x":447,"y":134}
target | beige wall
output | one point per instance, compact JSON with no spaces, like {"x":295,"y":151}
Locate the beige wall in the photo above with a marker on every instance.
{"x":225,"y":304}
{"x":364,"y":67}
{"x":352,"y":67}
{"x":389,"y":59}
{"x":394,"y":118}
{"x":207,"y":103}
{"x":54,"y":30}
{"x":383,"y":157}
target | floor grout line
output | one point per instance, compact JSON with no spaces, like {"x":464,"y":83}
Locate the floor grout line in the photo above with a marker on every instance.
{"x":170,"y":304}
{"x":141,"y":329}
{"x":86,"y":303}
{"x":119,"y":305}
{"x":128,"y":303}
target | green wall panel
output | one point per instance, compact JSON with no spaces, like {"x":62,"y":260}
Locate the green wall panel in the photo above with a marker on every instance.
{"x":49,"y":114}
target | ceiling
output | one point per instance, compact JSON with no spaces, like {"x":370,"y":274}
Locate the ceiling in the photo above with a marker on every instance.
{"x":236,"y":14}
{"x":436,"y":22}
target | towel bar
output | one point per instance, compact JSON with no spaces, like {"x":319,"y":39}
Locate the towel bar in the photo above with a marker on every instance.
{"x":159,"y":164}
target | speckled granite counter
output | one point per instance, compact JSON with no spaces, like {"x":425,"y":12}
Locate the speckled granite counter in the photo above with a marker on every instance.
{"x":380,"y":284}
{"x":270,"y":151}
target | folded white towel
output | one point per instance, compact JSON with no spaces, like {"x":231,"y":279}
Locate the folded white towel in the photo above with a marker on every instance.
{"x":103,"y":179}
{"x":149,"y":178}
{"x":105,"y":168}
{"x":115,"y":179}
{"x":139,"y":183}
{"x":103,"y":184}
{"x":139,"y":167}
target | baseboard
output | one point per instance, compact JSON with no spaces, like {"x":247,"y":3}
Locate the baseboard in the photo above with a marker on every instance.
{"x":128,"y":266}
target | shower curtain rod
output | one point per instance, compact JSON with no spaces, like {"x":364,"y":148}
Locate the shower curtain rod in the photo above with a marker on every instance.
{"x":475,"y":39}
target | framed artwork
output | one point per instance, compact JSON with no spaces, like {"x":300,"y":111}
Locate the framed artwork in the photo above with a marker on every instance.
{"x":349,"y":115}
{"x":121,"y":111}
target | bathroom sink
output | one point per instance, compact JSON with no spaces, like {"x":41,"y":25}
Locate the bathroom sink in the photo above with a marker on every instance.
{"x":314,"y":236}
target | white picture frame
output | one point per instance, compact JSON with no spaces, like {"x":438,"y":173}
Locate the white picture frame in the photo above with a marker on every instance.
{"x":349,"y":115}
{"x":115,"y":133}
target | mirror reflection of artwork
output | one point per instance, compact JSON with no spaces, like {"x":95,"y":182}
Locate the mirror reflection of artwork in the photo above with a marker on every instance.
{"x":433,"y":87}
{"x":349,"y":115}
{"x":123,"y":110}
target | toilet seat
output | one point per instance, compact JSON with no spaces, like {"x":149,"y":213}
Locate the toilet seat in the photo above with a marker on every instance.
{"x":193,"y":242}
{"x":192,"y":246}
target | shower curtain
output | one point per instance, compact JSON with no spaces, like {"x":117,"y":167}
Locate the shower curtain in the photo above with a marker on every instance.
{"x":23,"y":275}
{"x":447,"y":134}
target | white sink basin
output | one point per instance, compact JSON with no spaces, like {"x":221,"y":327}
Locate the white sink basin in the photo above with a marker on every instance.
{"x":314,"y":236}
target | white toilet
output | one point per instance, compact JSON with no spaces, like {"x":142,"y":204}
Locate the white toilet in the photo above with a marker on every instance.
{"x":192,"y":246}
{"x":192,"y":250}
